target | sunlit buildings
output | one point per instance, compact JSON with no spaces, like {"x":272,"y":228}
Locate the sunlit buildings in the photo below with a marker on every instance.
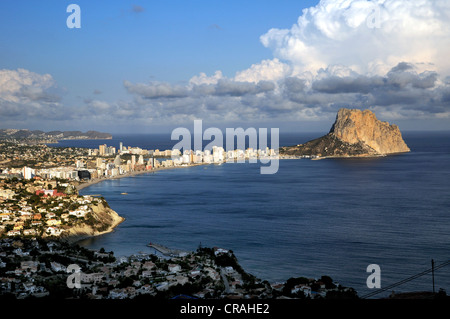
{"x":28,"y":172}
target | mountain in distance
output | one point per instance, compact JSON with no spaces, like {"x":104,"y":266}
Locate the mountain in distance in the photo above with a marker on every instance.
{"x":53,"y":135}
{"x":355,"y":133}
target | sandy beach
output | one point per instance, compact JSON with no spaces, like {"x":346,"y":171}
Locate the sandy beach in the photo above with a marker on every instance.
{"x":130,"y":174}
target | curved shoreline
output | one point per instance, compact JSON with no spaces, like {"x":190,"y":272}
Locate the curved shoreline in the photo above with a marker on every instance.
{"x":74,"y":238}
{"x":131,"y":174}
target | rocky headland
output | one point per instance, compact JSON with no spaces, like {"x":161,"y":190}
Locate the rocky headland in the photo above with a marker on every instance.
{"x":102,"y":220}
{"x":355,"y":133}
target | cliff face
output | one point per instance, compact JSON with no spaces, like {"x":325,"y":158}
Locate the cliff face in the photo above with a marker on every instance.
{"x":353,"y":126}
{"x":104,"y":220}
{"x":355,"y":133}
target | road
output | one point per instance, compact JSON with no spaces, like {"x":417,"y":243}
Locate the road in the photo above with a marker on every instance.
{"x":225,"y":281}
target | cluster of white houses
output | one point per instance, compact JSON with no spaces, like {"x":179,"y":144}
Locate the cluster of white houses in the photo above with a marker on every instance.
{"x":27,"y":220}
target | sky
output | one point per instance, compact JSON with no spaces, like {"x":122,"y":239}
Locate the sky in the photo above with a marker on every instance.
{"x":151,"y":66}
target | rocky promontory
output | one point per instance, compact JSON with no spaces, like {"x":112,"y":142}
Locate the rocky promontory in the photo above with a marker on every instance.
{"x":102,"y":220}
{"x":355,"y":133}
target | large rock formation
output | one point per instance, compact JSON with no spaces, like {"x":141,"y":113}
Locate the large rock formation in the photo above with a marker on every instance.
{"x":354,"y":133}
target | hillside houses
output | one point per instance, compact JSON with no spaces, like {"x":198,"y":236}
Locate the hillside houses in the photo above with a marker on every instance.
{"x":38,"y":211}
{"x":26,"y":263}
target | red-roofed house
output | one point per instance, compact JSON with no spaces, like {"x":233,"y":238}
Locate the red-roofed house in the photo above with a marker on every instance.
{"x":49,"y":192}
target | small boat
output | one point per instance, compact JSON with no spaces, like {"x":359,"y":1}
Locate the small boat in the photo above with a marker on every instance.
{"x":124,"y":193}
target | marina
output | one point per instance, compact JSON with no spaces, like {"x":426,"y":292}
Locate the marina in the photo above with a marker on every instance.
{"x":167,"y":251}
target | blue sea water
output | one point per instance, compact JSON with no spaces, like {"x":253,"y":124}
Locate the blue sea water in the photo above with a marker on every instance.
{"x":330,"y":217}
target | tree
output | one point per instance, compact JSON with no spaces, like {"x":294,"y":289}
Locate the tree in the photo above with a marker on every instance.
{"x":328,"y":282}
{"x":126,"y":282}
{"x":349,"y":293}
{"x":35,"y":199}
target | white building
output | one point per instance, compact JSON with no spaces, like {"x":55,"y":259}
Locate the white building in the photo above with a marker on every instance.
{"x":173,"y":268}
{"x":54,"y":231}
{"x":186,"y":158}
{"x":28,"y":172}
{"x":7,"y":193}
{"x":218,"y":154}
{"x":57,"y":266}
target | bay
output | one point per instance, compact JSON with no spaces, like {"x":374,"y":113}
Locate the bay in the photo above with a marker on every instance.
{"x":330,"y":217}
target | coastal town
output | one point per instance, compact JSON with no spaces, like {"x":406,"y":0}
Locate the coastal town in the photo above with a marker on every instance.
{"x":77,"y":164}
{"x":39,"y":268}
{"x":42,"y":208}
{"x":42,"y":215}
{"x":39,"y":184}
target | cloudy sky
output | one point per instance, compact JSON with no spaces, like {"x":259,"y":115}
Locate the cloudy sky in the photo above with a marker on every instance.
{"x":151,"y":66}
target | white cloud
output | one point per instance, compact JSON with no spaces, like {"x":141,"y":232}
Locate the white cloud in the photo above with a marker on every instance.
{"x":155,"y":90}
{"x":202,"y":78}
{"x":401,"y":92}
{"x":24,"y":86}
{"x":26,"y":95}
{"x":367,"y":36}
{"x":387,"y":55}
{"x":267,"y":70}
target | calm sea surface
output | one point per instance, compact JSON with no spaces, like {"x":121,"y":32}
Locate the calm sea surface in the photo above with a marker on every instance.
{"x":312,"y":218}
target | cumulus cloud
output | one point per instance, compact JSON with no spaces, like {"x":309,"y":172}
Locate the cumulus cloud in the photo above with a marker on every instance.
{"x":359,"y":84}
{"x":202,"y":78}
{"x":25,"y":94}
{"x":23,"y":85}
{"x":401,"y":91}
{"x":199,"y":86}
{"x":215,"y":97}
{"x":387,"y":55}
{"x":402,"y":87}
{"x":155,"y":90}
{"x":368,"y":36}
{"x":403,"y":75}
{"x":235,"y":88}
{"x":267,"y":70}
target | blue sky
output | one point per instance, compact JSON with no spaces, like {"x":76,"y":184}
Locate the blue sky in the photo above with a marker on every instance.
{"x":166,"y":41}
{"x":156,"y":65}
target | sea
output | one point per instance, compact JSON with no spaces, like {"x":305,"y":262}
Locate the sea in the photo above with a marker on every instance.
{"x":331,"y":217}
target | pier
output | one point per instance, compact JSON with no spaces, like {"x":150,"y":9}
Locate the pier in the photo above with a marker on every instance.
{"x":167,"y":251}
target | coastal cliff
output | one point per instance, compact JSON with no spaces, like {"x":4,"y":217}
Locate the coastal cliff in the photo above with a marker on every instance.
{"x":355,"y":133}
{"x":102,"y":220}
